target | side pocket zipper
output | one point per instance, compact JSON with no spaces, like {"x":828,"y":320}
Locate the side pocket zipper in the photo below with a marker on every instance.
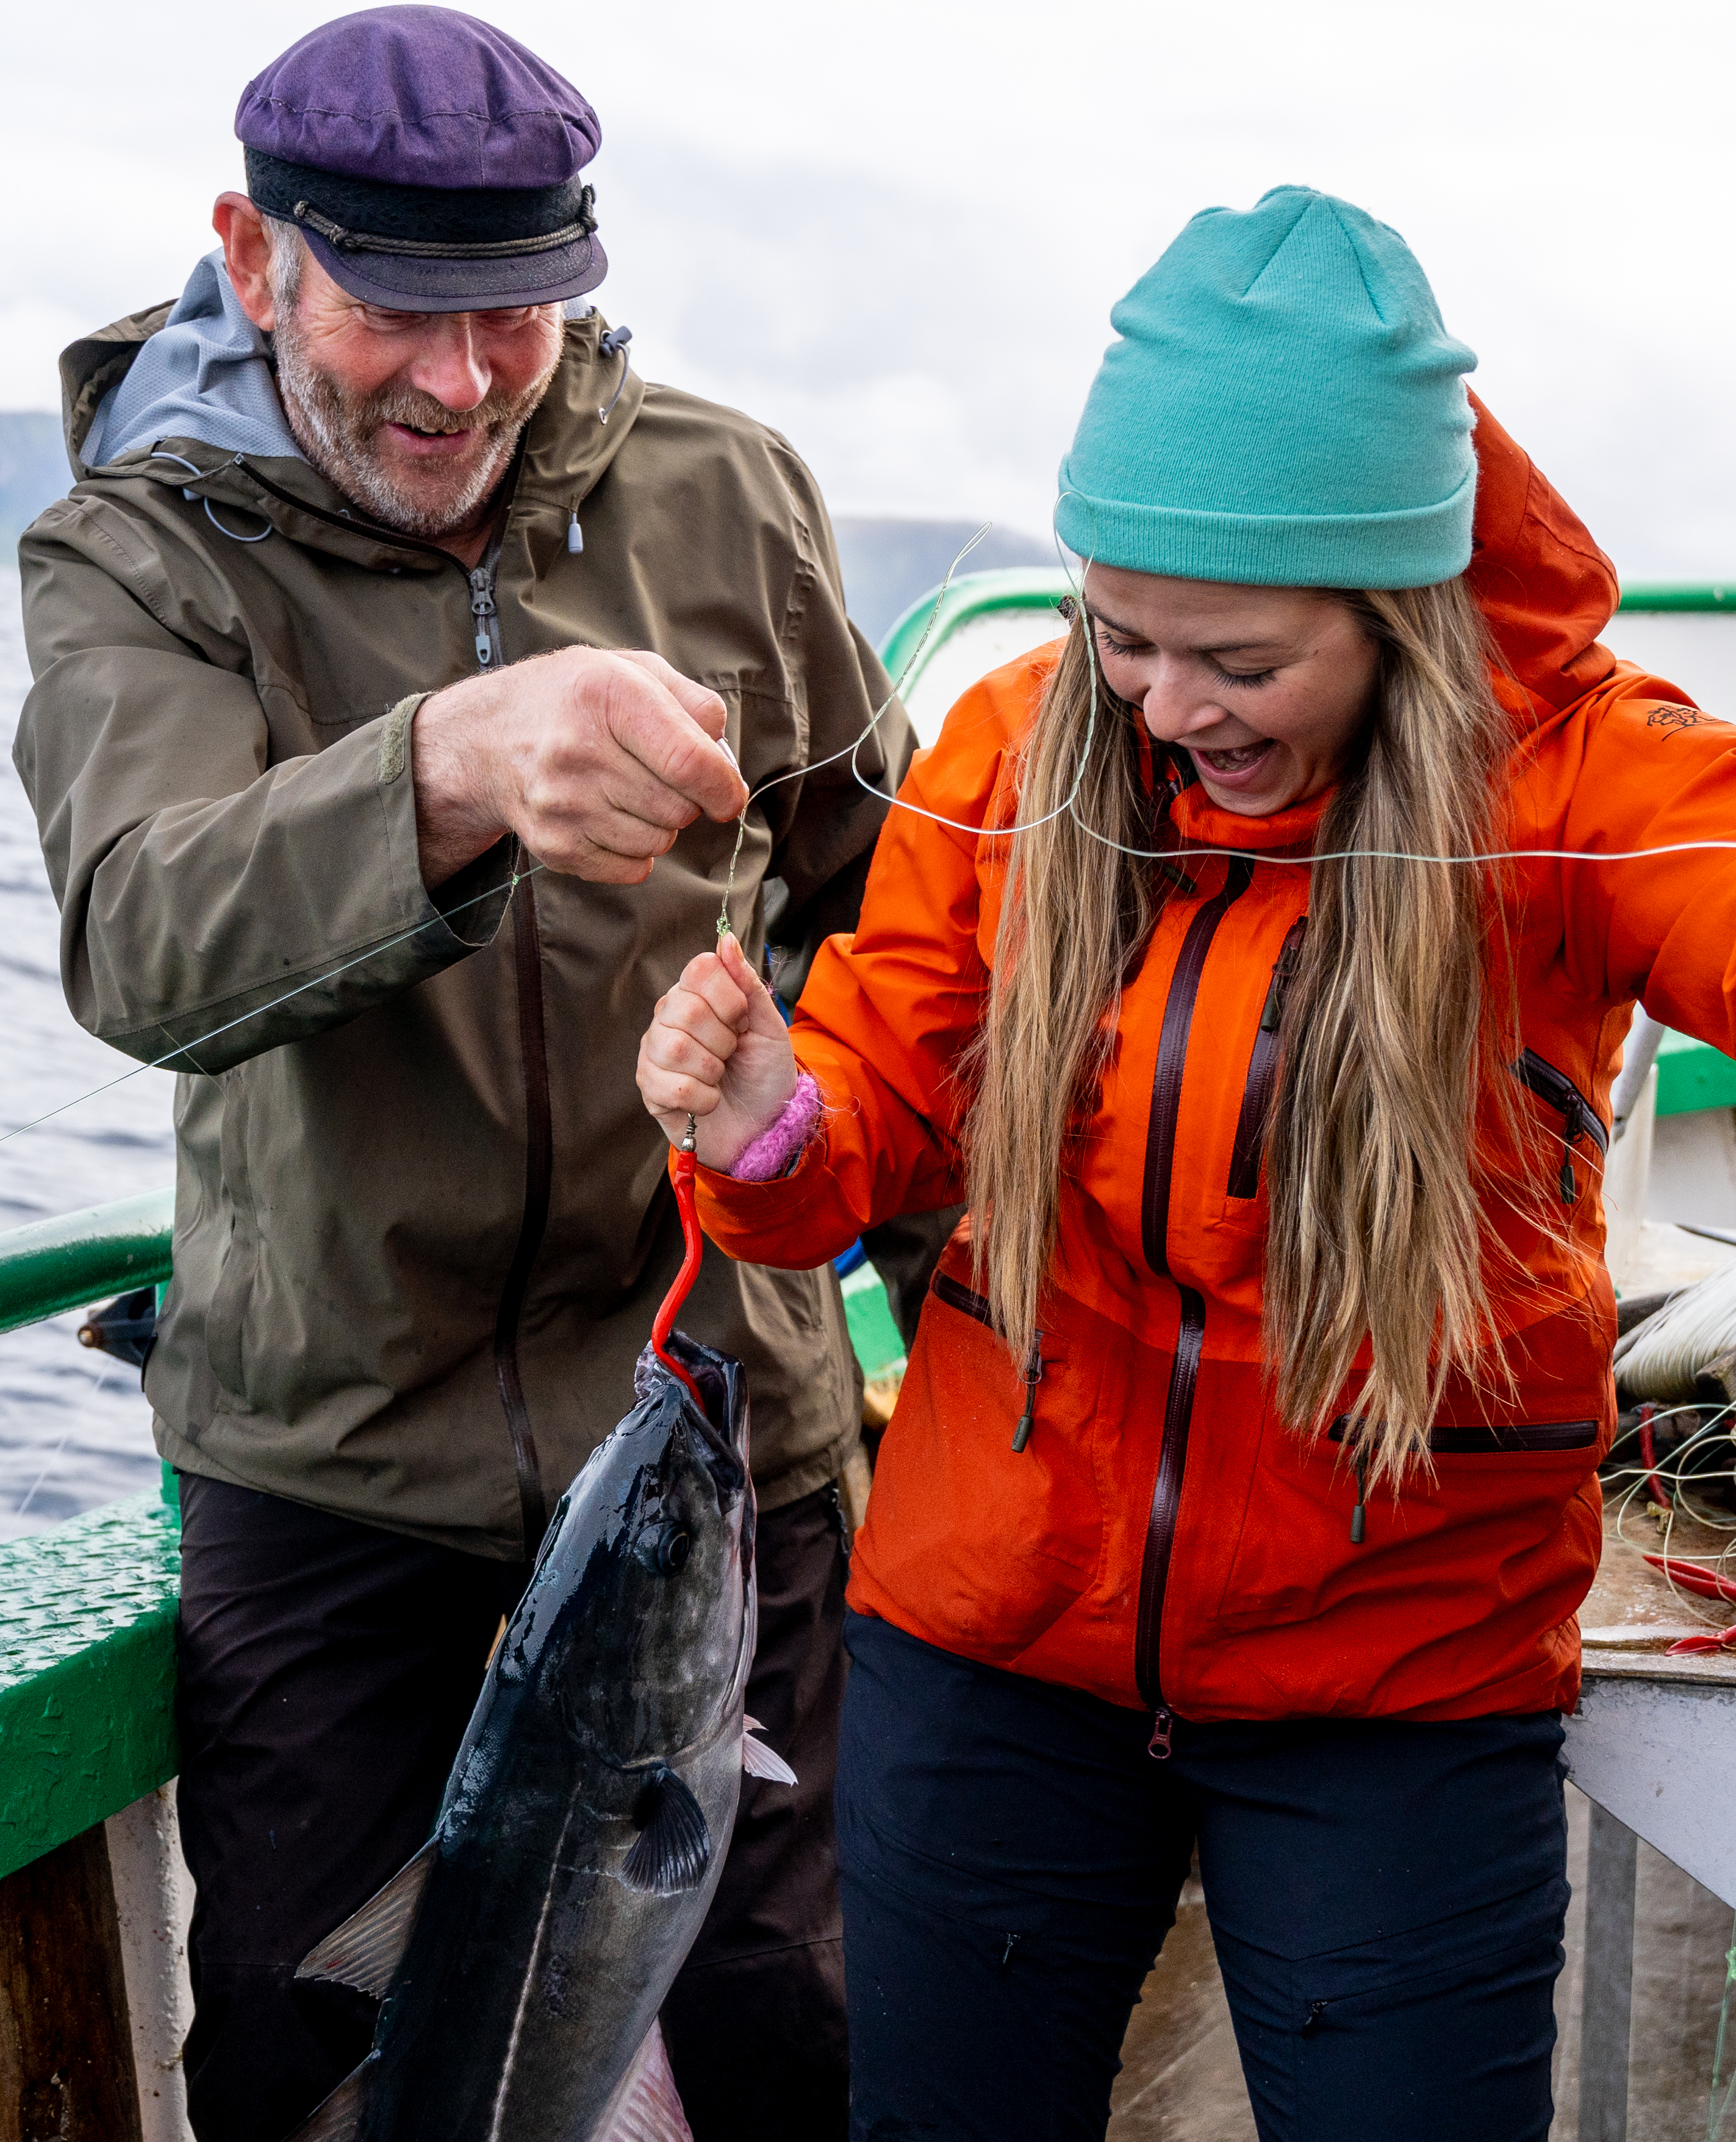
{"x":1579,"y":1118}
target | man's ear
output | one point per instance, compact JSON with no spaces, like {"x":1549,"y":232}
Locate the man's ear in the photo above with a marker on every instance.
{"x":247,"y":255}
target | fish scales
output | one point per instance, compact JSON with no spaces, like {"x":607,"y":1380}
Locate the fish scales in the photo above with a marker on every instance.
{"x":588,"y":1811}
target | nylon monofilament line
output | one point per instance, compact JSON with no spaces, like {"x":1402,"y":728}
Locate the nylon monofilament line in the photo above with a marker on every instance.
{"x":849,"y":750}
{"x":852,"y":751}
{"x":509,"y":885}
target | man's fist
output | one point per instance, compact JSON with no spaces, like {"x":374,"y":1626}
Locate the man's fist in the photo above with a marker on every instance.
{"x":595,"y":761}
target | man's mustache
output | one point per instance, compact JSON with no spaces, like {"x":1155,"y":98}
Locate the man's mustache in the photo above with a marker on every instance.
{"x":422,"y":412}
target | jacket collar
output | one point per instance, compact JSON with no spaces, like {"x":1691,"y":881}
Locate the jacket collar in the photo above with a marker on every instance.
{"x":568,"y":445}
{"x":1199,"y":823}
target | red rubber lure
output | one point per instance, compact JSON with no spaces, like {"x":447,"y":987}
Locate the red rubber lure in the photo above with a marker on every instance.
{"x":687,"y":1204}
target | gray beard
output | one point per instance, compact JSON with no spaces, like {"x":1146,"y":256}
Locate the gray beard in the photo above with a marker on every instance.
{"x":335,"y":429}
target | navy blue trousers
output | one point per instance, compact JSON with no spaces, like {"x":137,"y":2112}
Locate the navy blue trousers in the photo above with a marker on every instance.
{"x":1386,"y":1899}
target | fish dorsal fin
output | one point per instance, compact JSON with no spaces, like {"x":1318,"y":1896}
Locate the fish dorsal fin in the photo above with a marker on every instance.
{"x":673,"y":1848}
{"x":758,"y":1760}
{"x":647,"y":2107}
{"x":365,"y":1951}
{"x":340,"y":2118}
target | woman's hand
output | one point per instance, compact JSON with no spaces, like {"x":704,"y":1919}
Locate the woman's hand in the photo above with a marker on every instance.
{"x":718,"y":1051}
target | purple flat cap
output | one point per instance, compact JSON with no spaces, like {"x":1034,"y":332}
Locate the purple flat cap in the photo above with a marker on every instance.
{"x":431,"y":162}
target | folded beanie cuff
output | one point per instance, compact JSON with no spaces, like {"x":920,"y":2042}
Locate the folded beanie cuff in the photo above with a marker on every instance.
{"x":1413,"y":547}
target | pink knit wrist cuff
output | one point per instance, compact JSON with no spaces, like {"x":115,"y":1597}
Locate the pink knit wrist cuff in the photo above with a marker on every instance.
{"x":780,"y":1141}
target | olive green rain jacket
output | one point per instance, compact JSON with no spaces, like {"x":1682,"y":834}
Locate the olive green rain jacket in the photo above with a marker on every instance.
{"x":422,"y":1219}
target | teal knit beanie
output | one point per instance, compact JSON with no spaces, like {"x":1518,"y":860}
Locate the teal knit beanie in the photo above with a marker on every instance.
{"x":1284,"y":408}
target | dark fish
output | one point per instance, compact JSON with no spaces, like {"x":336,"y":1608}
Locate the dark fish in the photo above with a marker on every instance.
{"x":524,"y":1952}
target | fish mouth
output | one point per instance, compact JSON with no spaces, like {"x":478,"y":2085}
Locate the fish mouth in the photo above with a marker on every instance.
{"x":722,"y":1385}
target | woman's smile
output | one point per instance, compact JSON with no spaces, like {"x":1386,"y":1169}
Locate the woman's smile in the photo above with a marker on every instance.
{"x":1270,"y":690}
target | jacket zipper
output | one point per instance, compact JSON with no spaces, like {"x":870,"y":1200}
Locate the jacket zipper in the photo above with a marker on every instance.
{"x":969,"y":1303}
{"x":538,"y":1176}
{"x":1250,"y":1139}
{"x":964,"y":1299}
{"x":483,"y":610}
{"x":1172,"y":1050}
{"x":1468,"y":1439}
{"x":1481,"y":1438}
{"x":533,"y":1049}
{"x":539,"y":1127}
{"x":1579,"y":1118}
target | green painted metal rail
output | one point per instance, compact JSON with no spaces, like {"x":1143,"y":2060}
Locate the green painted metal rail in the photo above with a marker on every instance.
{"x":974,"y":596}
{"x":65,"y":1262}
{"x":86,"y":1673}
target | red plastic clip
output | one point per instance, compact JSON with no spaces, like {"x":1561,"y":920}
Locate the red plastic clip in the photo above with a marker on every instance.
{"x":1721,"y":1641}
{"x":687,"y":1204}
{"x":1649,"y":1459}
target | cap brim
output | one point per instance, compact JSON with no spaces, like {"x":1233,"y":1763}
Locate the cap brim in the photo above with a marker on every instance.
{"x":413,"y":283}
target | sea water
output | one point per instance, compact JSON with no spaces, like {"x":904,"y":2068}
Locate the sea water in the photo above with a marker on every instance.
{"x":75,"y":1428}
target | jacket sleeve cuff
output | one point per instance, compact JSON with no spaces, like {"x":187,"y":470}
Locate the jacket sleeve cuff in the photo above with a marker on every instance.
{"x":473,"y":901}
{"x":794,"y":1222}
{"x":782,"y":1141}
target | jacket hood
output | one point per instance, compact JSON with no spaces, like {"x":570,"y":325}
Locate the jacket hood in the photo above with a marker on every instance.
{"x":183,"y":394}
{"x":206,"y":374}
{"x":1544,"y":587}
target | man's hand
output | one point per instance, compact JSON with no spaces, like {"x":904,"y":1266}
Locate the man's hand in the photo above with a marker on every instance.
{"x":717,"y":1050}
{"x":595,"y":761}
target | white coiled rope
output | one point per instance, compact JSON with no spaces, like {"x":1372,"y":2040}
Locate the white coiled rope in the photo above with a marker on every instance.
{"x":1660,"y":1358}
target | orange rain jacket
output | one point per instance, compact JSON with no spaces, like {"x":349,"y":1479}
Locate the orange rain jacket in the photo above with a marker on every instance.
{"x":1162,"y":1538}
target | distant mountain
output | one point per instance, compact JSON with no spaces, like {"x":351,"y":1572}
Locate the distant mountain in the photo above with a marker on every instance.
{"x":33,"y":471}
{"x":887,"y":564}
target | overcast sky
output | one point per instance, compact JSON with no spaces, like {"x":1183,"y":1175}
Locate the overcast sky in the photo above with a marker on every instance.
{"x":895,"y":230}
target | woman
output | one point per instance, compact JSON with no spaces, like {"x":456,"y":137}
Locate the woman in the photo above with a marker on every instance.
{"x":1242,"y":1486}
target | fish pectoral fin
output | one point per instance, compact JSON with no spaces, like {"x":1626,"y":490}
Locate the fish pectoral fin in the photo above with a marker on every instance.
{"x":760,"y":1761}
{"x":673,"y":1848}
{"x":370,"y":1945}
{"x":647,"y":2107}
{"x":340,"y":2118}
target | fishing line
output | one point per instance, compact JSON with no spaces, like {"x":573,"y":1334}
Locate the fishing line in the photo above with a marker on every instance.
{"x":508,"y":886}
{"x":852,"y":751}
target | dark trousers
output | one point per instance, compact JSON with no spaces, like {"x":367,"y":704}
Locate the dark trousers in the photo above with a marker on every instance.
{"x":1386,"y":1899}
{"x":327,"y":1673}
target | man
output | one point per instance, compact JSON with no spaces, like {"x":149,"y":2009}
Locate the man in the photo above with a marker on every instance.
{"x":386,"y":653}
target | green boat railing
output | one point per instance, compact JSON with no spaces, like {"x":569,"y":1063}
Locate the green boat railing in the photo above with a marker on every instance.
{"x":974,"y":596}
{"x":88,"y":1609}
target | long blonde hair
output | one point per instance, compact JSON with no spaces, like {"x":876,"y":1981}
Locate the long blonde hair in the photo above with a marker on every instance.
{"x":1376,"y":1228}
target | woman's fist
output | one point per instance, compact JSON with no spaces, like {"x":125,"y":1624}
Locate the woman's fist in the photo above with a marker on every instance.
{"x":719,"y":1051}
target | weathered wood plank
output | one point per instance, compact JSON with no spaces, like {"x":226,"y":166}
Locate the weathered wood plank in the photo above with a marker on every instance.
{"x":66,"y":2044}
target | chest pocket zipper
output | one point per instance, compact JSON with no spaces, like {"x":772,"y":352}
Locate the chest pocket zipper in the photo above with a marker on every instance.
{"x":1250,"y":1139}
{"x":1579,"y":1118}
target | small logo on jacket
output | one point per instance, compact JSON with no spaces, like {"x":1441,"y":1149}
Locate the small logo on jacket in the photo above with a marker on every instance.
{"x":1675,"y":717}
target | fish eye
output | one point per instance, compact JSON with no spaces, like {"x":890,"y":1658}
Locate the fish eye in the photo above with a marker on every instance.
{"x":666,"y":1549}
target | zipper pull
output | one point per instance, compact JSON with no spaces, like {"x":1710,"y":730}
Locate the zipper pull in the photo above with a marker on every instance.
{"x":1033,"y":1375}
{"x":1162,"y":1725}
{"x":1575,"y":1125}
{"x":575,"y":533}
{"x":1272,"y":1017}
{"x":482,"y":608}
{"x":1357,"y":1515}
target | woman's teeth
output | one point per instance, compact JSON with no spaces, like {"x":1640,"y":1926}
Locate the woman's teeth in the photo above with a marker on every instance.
{"x":1239,"y":760}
